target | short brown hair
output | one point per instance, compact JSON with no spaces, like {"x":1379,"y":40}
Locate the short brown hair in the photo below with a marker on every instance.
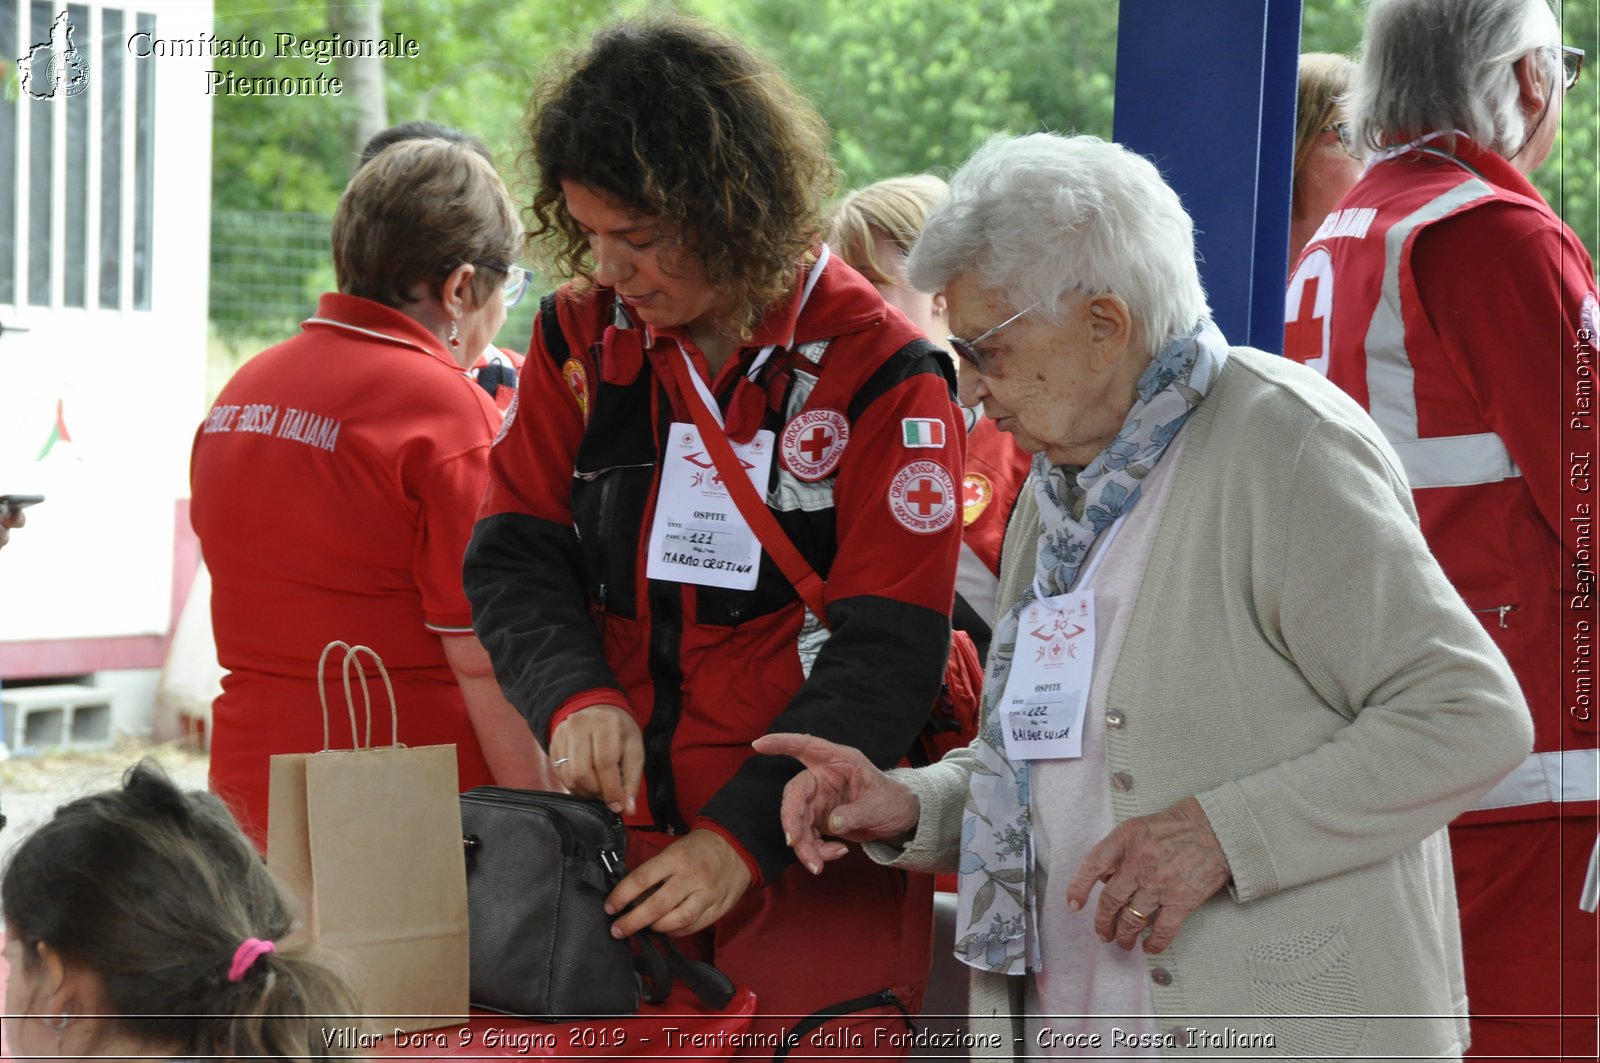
{"x":417,"y":211}
{"x":897,"y":207}
{"x":676,"y":119}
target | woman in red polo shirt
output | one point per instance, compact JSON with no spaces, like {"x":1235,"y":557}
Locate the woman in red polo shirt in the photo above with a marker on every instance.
{"x":336,"y":478}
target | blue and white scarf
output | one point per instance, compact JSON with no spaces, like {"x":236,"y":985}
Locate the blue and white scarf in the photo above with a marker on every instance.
{"x":996,"y":903}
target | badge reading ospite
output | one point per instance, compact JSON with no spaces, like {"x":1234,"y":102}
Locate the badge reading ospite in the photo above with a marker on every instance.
{"x":1042,"y":709}
{"x":698,"y":535}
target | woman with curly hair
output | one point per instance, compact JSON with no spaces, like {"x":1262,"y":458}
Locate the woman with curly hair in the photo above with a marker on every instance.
{"x":631,"y":612}
{"x":141,"y":923}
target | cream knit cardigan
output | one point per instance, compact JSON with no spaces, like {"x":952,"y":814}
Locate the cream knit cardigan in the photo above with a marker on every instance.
{"x":1296,"y":659}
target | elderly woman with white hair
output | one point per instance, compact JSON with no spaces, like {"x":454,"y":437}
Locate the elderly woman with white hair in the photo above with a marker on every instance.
{"x":1229,"y":684}
{"x":1448,"y":298}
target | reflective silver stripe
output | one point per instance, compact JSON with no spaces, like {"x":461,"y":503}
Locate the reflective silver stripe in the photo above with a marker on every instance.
{"x":813,"y":351}
{"x":809,"y":643}
{"x":1452,"y":461}
{"x":1591,"y":885}
{"x":1564,"y":775}
{"x":976,"y":583}
{"x":790,"y":493}
{"x":1439,"y":461}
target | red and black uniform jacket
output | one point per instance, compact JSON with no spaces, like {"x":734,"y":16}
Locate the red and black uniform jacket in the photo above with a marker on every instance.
{"x":556,"y":568}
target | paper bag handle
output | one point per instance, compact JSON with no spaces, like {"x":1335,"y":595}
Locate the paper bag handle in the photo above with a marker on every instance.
{"x":352,"y":653}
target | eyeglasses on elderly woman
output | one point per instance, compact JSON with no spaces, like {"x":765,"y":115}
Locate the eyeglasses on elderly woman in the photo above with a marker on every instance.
{"x":968,"y":349}
{"x":1571,"y":63}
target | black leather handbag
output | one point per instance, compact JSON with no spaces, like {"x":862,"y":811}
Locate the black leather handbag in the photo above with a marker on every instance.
{"x":539,"y":867}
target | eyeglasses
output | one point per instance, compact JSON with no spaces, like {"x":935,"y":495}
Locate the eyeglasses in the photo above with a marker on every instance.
{"x":1341,"y":133}
{"x":516,"y":282}
{"x":516,"y":286}
{"x":1572,"y":63}
{"x":968,"y":349}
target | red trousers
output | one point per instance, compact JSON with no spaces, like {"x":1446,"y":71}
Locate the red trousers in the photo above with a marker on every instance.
{"x":805,"y":943}
{"x":1530,"y":951}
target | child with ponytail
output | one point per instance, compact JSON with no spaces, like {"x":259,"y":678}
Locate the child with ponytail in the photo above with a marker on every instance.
{"x":140,"y":922}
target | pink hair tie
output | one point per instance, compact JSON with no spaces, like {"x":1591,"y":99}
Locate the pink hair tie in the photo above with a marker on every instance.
{"x":248,"y":952}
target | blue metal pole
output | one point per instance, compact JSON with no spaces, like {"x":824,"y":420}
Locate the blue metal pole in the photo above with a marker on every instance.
{"x":1207,"y":91}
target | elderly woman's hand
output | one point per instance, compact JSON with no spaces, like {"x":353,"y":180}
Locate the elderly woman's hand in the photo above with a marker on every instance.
{"x":840,"y":793}
{"x":1156,"y":869}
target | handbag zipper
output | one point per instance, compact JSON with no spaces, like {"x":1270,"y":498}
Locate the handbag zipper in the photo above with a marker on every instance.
{"x":616,"y":836}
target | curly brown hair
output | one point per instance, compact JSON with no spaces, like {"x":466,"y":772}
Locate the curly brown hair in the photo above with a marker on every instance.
{"x":676,"y":119}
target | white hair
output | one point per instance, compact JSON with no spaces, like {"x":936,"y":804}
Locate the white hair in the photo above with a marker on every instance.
{"x":1042,"y":215}
{"x":1448,"y":65}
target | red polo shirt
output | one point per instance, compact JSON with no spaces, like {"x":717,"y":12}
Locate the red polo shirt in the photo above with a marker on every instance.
{"x":335,"y":483}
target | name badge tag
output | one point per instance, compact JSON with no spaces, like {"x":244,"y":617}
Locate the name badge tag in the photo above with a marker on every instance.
{"x":698,"y":535}
{"x":1047,"y":692}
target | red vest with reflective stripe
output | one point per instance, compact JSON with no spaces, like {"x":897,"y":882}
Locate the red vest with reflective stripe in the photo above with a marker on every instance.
{"x":1354,"y":312}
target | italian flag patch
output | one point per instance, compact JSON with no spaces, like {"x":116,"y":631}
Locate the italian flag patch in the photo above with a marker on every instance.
{"x":922,"y":432}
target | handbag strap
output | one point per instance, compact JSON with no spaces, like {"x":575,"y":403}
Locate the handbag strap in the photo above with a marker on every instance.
{"x":660,"y":961}
{"x":783,"y":552}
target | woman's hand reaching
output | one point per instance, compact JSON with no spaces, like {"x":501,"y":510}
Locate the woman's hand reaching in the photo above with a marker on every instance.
{"x":840,"y":797}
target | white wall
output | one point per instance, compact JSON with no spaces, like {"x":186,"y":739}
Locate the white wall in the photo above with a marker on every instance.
{"x":95,"y":559}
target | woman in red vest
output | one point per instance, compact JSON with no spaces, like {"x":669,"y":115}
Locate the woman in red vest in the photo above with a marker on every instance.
{"x":1448,"y":298}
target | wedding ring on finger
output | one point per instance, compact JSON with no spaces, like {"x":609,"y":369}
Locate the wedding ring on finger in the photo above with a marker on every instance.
{"x":559,"y":761}
{"x":1136,"y":913}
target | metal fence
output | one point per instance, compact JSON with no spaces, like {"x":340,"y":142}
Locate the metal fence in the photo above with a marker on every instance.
{"x":269,"y":267}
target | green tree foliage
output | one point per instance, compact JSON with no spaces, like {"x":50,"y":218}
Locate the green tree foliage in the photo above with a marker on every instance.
{"x":1331,"y":26}
{"x":476,"y":65}
{"x":278,"y":162}
{"x":1569,"y":179}
{"x":909,"y":86}
{"x":273,"y":152}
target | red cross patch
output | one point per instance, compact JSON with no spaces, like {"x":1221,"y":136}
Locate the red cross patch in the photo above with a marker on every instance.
{"x":976,"y":494}
{"x":922,"y":497}
{"x":578,"y":384}
{"x":814,"y":442}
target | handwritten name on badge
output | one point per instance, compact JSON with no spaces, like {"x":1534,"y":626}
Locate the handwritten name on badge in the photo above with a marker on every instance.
{"x":698,"y":535}
{"x":1048,"y":726}
{"x":1047,"y":692}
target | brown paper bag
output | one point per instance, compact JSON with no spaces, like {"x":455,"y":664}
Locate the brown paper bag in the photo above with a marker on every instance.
{"x":369,"y":841}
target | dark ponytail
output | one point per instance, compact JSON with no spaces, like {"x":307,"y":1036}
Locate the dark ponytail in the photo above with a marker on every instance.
{"x":153,"y":890}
